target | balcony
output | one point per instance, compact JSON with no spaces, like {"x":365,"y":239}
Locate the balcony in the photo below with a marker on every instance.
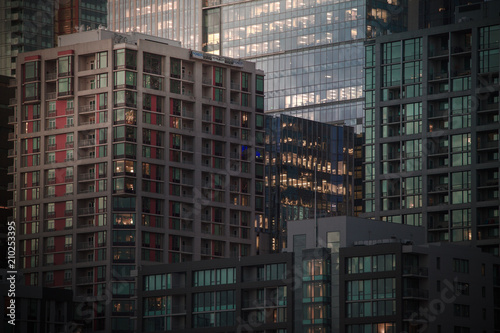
{"x":187,"y":77}
{"x":85,"y":280}
{"x":12,"y":119}
{"x":50,"y":76}
{"x":187,"y":113}
{"x":87,"y":142}
{"x":12,"y":136}
{"x":86,"y":211}
{"x":13,"y":101}
{"x":51,"y":95}
{"x":415,"y":293}
{"x":415,"y":271}
{"x":86,"y":108}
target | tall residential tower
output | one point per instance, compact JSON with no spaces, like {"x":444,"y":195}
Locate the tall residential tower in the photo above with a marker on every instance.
{"x":131,"y":151}
{"x":432,"y":126}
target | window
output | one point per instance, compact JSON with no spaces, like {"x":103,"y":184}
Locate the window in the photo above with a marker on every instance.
{"x":259,"y":84}
{"x":214,"y":277}
{"x":32,"y":91}
{"x":51,"y":139}
{"x":152,"y":63}
{"x":51,"y":157}
{"x":412,"y":72}
{"x":152,"y":82}
{"x":64,"y":86}
{"x":488,"y":61}
{"x":126,"y":59}
{"x":124,"y":166}
{"x":413,"y":49}
{"x":127,"y":133}
{"x":31,"y":71}
{"x":68,"y":241}
{"x":461,"y":310}
{"x":368,"y":264}
{"x":333,"y":241}
{"x":124,"y":184}
{"x":219,"y":76}
{"x":102,"y":80}
{"x":391,"y":52}
{"x":124,"y":219}
{"x":489,"y":37}
{"x":123,"y":288}
{"x":461,"y":288}
{"x":103,"y":101}
{"x":157,"y":282}
{"x":391,"y":75}
{"x":175,"y":68}
{"x":245,"y":80}
{"x":123,"y":254}
{"x":126,"y":116}
{"x":461,"y":266}
{"x":124,"y":237}
{"x":125,"y":98}
{"x":125,"y":79}
{"x":102,"y":59}
{"x":65,"y":66}
{"x":218,"y":94}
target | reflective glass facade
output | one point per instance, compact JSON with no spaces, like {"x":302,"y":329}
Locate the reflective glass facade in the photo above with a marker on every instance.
{"x":172,"y":19}
{"x":311,"y":50}
{"x":300,"y":153}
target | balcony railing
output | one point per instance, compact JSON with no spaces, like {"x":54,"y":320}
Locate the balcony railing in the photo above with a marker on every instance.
{"x":187,"y":77}
{"x":50,"y":76}
{"x":86,"y":108}
{"x":86,"y":211}
{"x":87,"y":142}
{"x":415,"y":270}
{"x":85,"y":280}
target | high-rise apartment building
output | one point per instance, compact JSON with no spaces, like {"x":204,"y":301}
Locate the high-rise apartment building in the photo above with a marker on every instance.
{"x":432,"y":129}
{"x":311,"y":51}
{"x":6,"y":116}
{"x":309,"y":172}
{"x":29,"y":25}
{"x":128,"y":152}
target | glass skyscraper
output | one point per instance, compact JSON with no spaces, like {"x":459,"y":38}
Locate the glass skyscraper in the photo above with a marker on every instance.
{"x":309,"y":173}
{"x":311,"y":50}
